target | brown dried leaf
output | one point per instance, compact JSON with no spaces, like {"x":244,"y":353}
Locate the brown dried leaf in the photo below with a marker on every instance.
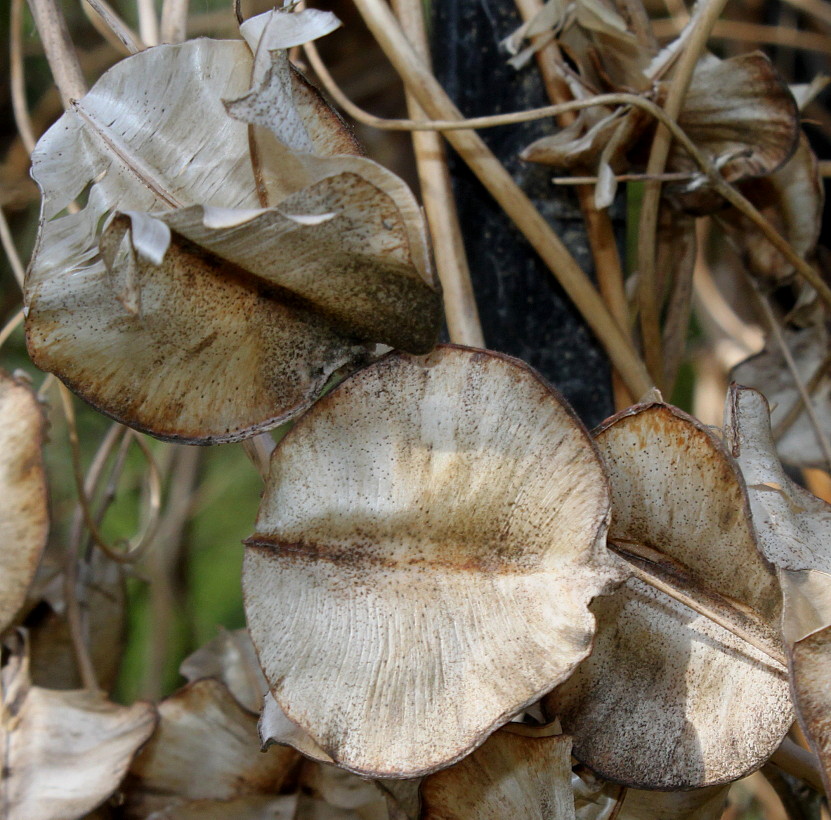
{"x":456,"y":477}
{"x":63,"y":753}
{"x":206,"y":748}
{"x":233,"y":322}
{"x":509,"y":776}
{"x":24,"y":513}
{"x":231,"y":659}
{"x":791,"y":199}
{"x":741,"y":114}
{"x":669,"y":699}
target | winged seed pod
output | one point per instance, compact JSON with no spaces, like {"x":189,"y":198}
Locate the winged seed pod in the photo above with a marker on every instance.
{"x":509,"y":776}
{"x":210,"y":284}
{"x":430,"y":509}
{"x":205,"y":751}
{"x":24,"y":513}
{"x":671,"y":697}
{"x":63,"y":753}
{"x":794,"y":534}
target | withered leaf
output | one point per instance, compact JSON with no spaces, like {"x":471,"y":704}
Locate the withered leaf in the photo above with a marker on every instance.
{"x":24,"y":513}
{"x":63,"y":753}
{"x":669,"y":698}
{"x":509,"y":776}
{"x":206,"y":748}
{"x":428,"y":509}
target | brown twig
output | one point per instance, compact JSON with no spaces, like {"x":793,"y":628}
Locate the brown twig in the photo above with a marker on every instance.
{"x":10,"y":250}
{"x":18,"y":78}
{"x":60,"y":53}
{"x":111,"y":27}
{"x":810,"y":388}
{"x":174,"y":27}
{"x":437,"y":194}
{"x":10,"y":327}
{"x":649,"y":299}
{"x":607,"y":263}
{"x":505,"y":191}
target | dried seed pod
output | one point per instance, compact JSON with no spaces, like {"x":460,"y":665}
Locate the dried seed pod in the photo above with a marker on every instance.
{"x":206,"y":291}
{"x":427,"y":545}
{"x":794,"y":529}
{"x":669,"y":697}
{"x":64,"y":752}
{"x":24,"y":513}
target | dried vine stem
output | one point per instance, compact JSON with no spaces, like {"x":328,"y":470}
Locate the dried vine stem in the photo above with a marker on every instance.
{"x":810,"y":387}
{"x":148,"y":22}
{"x":782,"y":343}
{"x":174,"y":27}
{"x":432,"y":98}
{"x":63,"y":61}
{"x":460,"y":308}
{"x":607,"y":263}
{"x":10,"y":327}
{"x":649,"y":297}
{"x":74,"y":619}
{"x":11,"y":251}
{"x":18,"y":82}
{"x":799,"y":762}
{"x":110,"y":26}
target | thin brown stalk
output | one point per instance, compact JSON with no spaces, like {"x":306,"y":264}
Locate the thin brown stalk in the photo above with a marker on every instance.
{"x":148,"y":22}
{"x":756,"y":33}
{"x":111,"y":27}
{"x":607,"y":263}
{"x":10,"y":327}
{"x":799,"y":762}
{"x":810,"y":388}
{"x":460,"y":308}
{"x":259,"y":449}
{"x":18,"y":78}
{"x":649,"y":298}
{"x":60,"y":53}
{"x":782,"y":344}
{"x":174,"y":21}
{"x":679,"y":176}
{"x":10,"y":250}
{"x":74,"y":618}
{"x":640,"y":562}
{"x":505,"y":191}
{"x":163,"y":593}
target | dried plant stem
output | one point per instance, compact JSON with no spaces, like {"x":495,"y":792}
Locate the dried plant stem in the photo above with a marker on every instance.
{"x":18,"y":82}
{"x":799,"y":762}
{"x":10,"y":327}
{"x":10,"y":250}
{"x":60,"y":53}
{"x":148,"y":22}
{"x":753,"y":33}
{"x":73,"y":609}
{"x":817,"y":8}
{"x":460,"y":308}
{"x":259,"y":449}
{"x":505,"y":191}
{"x":111,"y":27}
{"x":174,"y":21}
{"x":607,"y":264}
{"x":640,"y":562}
{"x":163,"y":593}
{"x":810,"y":388}
{"x":781,"y":342}
{"x":649,"y":297}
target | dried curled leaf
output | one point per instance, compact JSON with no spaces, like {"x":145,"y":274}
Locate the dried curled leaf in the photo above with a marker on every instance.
{"x":206,"y":749}
{"x":63,"y":753}
{"x":794,"y":534}
{"x":24,"y":513}
{"x":669,"y":698}
{"x":509,"y":776}
{"x":206,"y":291}
{"x":429,"y":509}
